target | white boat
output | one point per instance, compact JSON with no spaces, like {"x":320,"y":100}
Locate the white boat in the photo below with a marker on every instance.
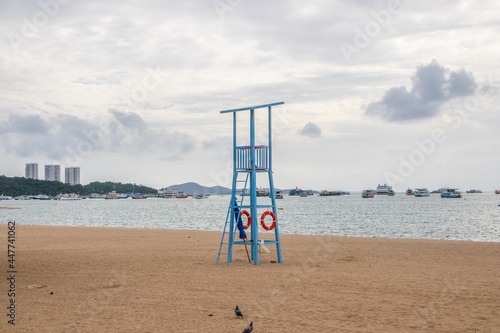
{"x":68,"y":197}
{"x":421,"y":192}
{"x":200,"y":196}
{"x":368,"y":194}
{"x":384,"y":190}
{"x":451,"y":193}
{"x":278,"y":195}
{"x":168,"y":194}
{"x":5,"y":197}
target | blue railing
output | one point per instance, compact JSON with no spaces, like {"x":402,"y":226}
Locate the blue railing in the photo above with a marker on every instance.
{"x":243,"y":156}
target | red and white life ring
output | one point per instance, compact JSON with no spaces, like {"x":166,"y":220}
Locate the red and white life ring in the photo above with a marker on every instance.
{"x":244,"y":212}
{"x":263,"y":223}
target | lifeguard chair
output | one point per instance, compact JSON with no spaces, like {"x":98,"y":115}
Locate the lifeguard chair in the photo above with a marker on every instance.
{"x":248,"y":161}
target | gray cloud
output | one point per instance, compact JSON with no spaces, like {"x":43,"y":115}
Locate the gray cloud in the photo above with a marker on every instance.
{"x":129,"y":120}
{"x":30,"y":124}
{"x":432,"y":86}
{"x":311,"y":130}
{"x":62,"y":135}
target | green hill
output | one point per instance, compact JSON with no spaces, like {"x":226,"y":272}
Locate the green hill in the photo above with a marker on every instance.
{"x":14,"y":186}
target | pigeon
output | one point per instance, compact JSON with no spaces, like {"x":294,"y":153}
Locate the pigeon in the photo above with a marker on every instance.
{"x":249,"y":328}
{"x":238,"y":312}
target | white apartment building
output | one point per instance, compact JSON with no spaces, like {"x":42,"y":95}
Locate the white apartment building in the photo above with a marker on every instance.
{"x":72,"y":175}
{"x":53,"y":172}
{"x":31,"y":171}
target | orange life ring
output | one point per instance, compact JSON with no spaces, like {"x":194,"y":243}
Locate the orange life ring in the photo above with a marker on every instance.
{"x":263,"y":222}
{"x":244,"y":212}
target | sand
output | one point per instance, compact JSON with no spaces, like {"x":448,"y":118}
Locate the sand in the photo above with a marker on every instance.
{"x":78,"y":279}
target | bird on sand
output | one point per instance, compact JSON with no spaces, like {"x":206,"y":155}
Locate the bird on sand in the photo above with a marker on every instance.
{"x":249,"y":328}
{"x":238,"y":312}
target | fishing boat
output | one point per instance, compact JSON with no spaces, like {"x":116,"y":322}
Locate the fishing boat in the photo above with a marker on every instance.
{"x":497,"y":191}
{"x":451,"y":193}
{"x":5,"y":197}
{"x":303,"y":194}
{"x":368,"y":194}
{"x":181,"y":195}
{"x":200,"y":196}
{"x":421,"y":192}
{"x":139,"y":196}
{"x":409,"y":191}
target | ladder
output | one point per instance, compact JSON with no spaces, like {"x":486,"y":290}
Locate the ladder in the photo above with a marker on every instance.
{"x":230,"y":217}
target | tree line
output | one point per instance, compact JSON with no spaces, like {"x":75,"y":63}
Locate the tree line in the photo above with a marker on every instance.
{"x":15,"y":186}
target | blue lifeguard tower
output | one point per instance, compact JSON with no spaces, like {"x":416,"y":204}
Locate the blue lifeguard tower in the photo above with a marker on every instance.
{"x":248,"y":161}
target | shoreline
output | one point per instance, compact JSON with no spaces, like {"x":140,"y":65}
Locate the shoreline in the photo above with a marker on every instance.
{"x":281,"y":233}
{"x":119,"y":279}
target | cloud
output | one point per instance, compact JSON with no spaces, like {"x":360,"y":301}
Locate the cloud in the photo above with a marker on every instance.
{"x":30,"y":124}
{"x":129,"y":120}
{"x":432,"y":86}
{"x":311,"y":130}
{"x":63,"y":136}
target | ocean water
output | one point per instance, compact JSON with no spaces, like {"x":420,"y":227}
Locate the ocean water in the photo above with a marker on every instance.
{"x":475,"y":217}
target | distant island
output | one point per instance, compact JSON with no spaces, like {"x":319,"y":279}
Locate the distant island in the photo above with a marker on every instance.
{"x":16,"y":186}
{"x":194,"y":188}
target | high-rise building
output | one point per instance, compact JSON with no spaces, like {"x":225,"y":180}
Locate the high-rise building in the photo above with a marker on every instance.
{"x":31,"y":171}
{"x":53,"y":172}
{"x":72,"y":175}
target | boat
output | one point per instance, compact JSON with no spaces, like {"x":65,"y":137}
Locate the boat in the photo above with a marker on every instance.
{"x":139,"y":196}
{"x":384,"y":190}
{"x":303,"y":194}
{"x":474,"y":191}
{"x":278,"y":195}
{"x":409,"y":191}
{"x":326,"y":193}
{"x":262,"y":192}
{"x":368,"y":194}
{"x":168,"y":194}
{"x":451,"y":193}
{"x":71,"y":196}
{"x":421,"y":192}
{"x":41,"y":197}
{"x":200,"y":196}
{"x":112,"y":195}
{"x":298,"y":191}
{"x":181,"y":195}
{"x":5,"y":197}
{"x":497,"y":191}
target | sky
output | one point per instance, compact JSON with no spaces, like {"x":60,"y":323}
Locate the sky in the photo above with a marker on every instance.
{"x":397,"y":92}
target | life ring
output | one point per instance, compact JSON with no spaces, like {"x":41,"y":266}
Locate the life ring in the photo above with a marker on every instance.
{"x":244,"y":212}
{"x":264,"y":223}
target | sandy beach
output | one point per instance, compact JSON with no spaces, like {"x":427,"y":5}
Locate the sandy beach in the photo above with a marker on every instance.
{"x":78,"y":279}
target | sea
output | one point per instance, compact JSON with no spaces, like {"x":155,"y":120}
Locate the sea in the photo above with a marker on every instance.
{"x":474,"y":217}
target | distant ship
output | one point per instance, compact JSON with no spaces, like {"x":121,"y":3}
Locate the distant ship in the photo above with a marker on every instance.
{"x":326,"y":193}
{"x":298,"y":191}
{"x":368,"y":194}
{"x":384,"y":190}
{"x":497,"y":191}
{"x":474,"y":191}
{"x":421,"y":192}
{"x":409,"y":191}
{"x":451,"y":193}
